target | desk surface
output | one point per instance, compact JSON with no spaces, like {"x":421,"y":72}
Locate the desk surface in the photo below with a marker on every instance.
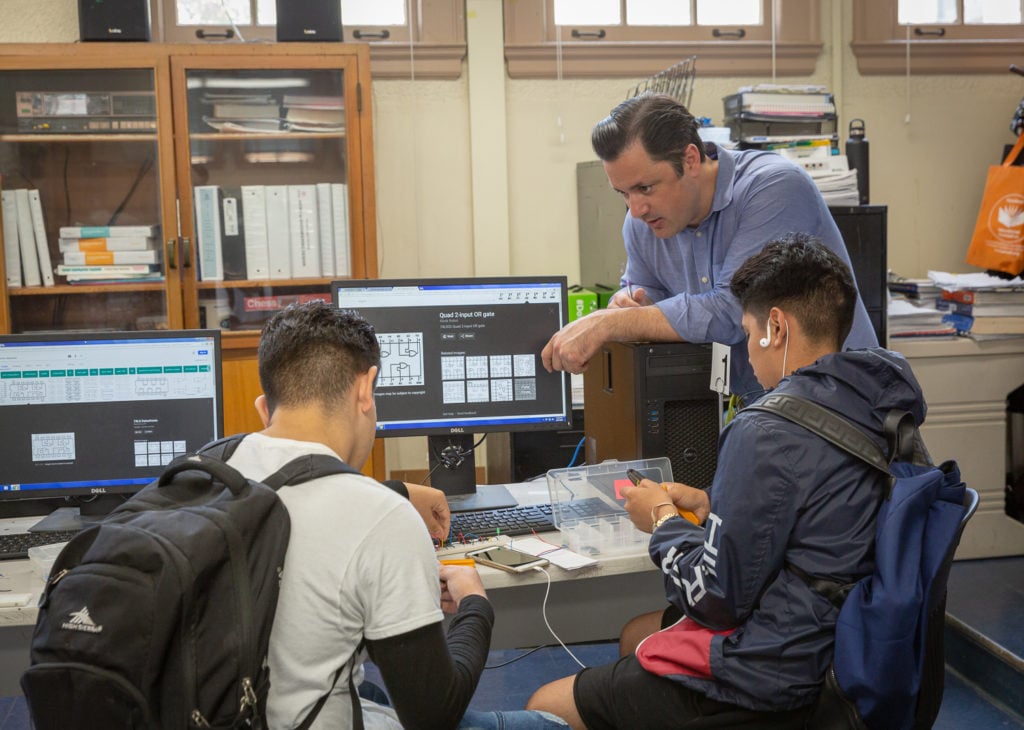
{"x":19,"y":576}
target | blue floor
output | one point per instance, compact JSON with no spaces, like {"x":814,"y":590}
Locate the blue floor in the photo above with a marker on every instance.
{"x":988,"y":595}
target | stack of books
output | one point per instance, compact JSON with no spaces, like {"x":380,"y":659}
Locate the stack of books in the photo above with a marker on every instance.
{"x":918,"y":291}
{"x":303,"y":113}
{"x":910,"y":319}
{"x":987,"y":311}
{"x":914,"y":309}
{"x":106,"y":254}
{"x":234,"y":112}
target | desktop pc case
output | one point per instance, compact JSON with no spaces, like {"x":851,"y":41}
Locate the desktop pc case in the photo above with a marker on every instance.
{"x":645,"y":400}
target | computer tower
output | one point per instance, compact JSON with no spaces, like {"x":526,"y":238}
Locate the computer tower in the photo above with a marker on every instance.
{"x":863,"y":228}
{"x":113,"y":20}
{"x":647,"y":399}
{"x":309,"y":20}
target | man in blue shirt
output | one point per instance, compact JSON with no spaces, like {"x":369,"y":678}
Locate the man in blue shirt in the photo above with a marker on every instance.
{"x":696,"y":213}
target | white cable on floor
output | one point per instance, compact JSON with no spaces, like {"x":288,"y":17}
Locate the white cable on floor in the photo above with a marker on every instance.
{"x":544,"y":613}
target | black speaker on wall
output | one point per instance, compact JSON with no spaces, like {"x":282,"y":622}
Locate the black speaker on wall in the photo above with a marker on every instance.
{"x":309,"y":20}
{"x":113,"y":20}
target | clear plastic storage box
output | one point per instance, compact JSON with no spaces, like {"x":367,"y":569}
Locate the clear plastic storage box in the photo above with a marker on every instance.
{"x":587,"y":509}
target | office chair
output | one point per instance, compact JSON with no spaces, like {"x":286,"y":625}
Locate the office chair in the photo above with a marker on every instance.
{"x":834,"y":711}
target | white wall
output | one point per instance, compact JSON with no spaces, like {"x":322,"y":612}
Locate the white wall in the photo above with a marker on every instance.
{"x":929,"y":171}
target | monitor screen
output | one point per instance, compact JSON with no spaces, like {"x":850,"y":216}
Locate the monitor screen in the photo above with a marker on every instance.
{"x":85,"y":415}
{"x":460,"y":356}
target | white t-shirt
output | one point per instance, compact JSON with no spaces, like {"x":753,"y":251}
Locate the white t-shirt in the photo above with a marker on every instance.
{"x":360,"y":563}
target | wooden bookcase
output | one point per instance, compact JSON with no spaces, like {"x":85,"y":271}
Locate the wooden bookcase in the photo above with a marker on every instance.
{"x":123,"y":134}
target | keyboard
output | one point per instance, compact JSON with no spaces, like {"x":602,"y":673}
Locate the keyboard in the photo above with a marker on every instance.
{"x":522,"y":519}
{"x":15,"y":545}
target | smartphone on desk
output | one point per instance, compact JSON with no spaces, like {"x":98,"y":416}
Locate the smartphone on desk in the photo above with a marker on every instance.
{"x":507,"y":559}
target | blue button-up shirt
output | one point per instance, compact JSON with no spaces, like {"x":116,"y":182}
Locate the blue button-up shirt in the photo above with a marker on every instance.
{"x":759,"y":196}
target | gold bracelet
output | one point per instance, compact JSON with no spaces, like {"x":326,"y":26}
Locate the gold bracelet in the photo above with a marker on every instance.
{"x":655,"y":522}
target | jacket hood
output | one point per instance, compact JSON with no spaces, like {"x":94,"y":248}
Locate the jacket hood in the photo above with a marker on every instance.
{"x":862,"y":385}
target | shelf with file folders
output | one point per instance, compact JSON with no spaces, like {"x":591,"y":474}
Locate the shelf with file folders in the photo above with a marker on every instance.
{"x":270,"y":233}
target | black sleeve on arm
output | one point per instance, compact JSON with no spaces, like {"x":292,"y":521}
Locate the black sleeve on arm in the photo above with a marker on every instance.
{"x":430,"y":677}
{"x":397,"y":485}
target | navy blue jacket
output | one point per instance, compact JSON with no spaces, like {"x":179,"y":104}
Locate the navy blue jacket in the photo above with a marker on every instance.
{"x":781,"y":495}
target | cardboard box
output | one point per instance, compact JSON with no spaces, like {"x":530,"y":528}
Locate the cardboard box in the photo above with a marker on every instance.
{"x":581,"y":302}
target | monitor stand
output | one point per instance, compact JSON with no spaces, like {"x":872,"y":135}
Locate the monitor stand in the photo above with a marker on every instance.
{"x":453,"y":471}
{"x":78,"y":518}
{"x":487,"y":496}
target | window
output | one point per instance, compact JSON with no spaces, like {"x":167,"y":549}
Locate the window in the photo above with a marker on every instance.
{"x":944,"y":36}
{"x":434,"y":30}
{"x":629,"y":38}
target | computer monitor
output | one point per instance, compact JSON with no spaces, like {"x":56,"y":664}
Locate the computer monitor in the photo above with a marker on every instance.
{"x":462,"y":356}
{"x":87,"y":416}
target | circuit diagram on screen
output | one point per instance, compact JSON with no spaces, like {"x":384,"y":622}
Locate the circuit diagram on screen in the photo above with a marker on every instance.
{"x":401,"y":359}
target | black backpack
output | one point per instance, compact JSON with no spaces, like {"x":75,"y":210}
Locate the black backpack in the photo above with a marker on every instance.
{"x":160,"y":615}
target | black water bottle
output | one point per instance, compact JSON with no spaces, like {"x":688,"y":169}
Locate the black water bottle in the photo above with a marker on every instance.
{"x":857,"y":156}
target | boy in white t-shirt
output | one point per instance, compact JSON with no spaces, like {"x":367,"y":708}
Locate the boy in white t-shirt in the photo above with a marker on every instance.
{"x":360,"y":564}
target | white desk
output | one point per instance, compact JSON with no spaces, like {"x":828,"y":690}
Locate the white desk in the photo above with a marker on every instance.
{"x":589,"y":604}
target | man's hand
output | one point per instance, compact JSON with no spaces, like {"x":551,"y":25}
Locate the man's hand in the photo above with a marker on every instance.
{"x":433,"y":508}
{"x":571,"y":348}
{"x":457,"y":582}
{"x":624,"y":298}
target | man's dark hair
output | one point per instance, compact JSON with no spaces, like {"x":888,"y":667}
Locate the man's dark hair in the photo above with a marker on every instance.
{"x":798,"y":272}
{"x":662,"y":125}
{"x":313,"y":352}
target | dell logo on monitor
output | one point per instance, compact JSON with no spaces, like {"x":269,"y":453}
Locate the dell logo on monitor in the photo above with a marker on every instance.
{"x":457,"y":430}
{"x":97,"y":490}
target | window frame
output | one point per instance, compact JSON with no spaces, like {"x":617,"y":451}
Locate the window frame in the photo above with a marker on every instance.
{"x":438,"y":48}
{"x":880,"y":44}
{"x":532,"y":49}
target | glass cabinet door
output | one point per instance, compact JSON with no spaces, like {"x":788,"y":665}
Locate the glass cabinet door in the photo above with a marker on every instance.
{"x":269,"y":203}
{"x":84,"y":209}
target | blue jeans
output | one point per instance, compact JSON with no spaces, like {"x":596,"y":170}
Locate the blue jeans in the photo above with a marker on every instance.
{"x":474,"y":720}
{"x":511,"y":720}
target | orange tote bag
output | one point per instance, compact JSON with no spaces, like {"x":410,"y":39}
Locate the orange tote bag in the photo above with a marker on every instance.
{"x":998,"y":240}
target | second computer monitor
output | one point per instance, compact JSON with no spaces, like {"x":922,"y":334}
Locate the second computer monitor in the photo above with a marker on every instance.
{"x":463,"y":356}
{"x":83,"y":416}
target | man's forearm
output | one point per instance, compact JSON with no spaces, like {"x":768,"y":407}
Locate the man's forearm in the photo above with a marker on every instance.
{"x":639,"y":323}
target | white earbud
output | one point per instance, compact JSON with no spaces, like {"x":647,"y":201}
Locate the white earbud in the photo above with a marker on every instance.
{"x":767,"y":339}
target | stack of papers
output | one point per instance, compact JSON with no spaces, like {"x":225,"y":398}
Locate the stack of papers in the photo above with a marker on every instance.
{"x":907,"y":319}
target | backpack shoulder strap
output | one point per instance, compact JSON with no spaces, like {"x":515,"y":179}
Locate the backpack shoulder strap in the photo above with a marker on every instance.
{"x":828,"y":425}
{"x":300,"y":469}
{"x":306,"y":468}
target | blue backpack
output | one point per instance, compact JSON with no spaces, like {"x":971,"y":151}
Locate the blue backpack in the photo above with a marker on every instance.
{"x":888,"y":669}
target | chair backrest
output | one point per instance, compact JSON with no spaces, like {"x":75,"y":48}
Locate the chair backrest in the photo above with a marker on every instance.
{"x":929,"y":699}
{"x":834,"y":711}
